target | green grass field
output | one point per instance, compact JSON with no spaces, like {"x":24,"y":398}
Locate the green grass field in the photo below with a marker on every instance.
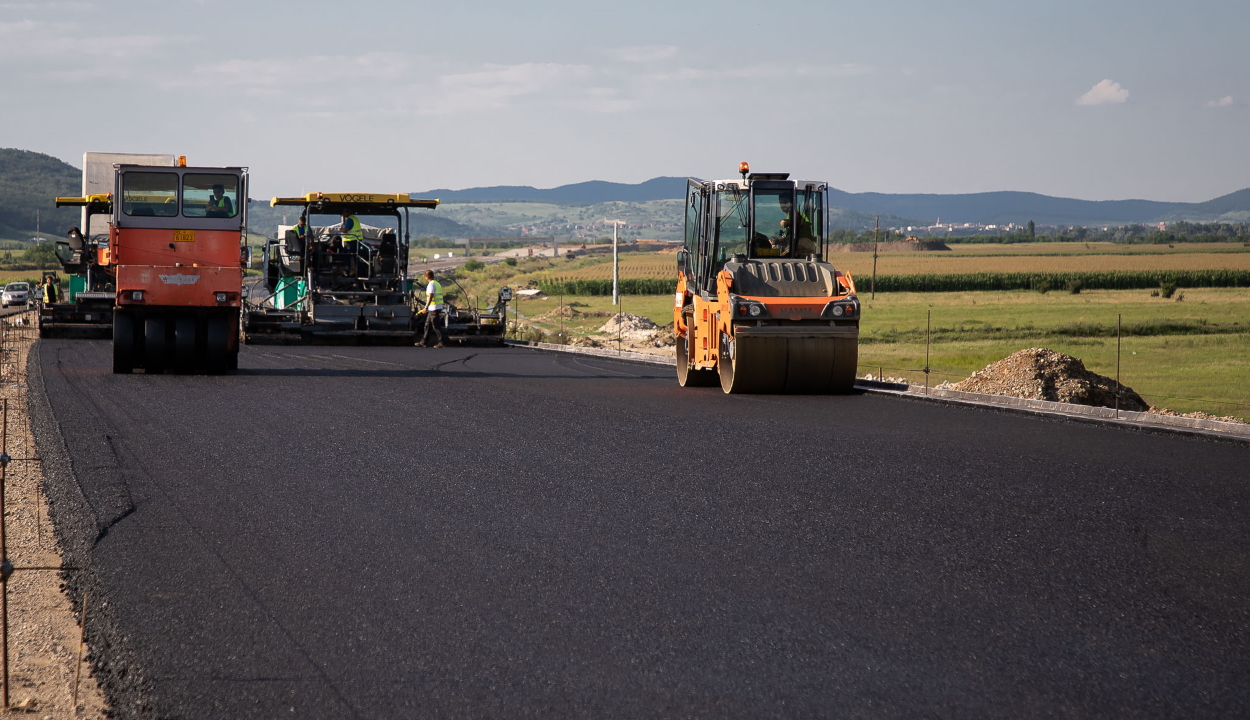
{"x":1046,"y":257}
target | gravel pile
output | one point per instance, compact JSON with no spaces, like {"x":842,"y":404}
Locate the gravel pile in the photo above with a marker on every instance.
{"x":569,"y":312}
{"x":1197,"y":415}
{"x":634,"y":327}
{"x":1042,"y":374}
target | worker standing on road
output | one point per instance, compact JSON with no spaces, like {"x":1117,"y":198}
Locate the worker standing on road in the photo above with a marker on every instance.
{"x":50,"y":291}
{"x":433,"y":310}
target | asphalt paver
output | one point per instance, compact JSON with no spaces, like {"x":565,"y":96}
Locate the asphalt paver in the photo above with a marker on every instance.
{"x":494,"y":532}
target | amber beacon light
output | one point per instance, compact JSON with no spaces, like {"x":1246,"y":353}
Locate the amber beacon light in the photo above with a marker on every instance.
{"x":744,"y":167}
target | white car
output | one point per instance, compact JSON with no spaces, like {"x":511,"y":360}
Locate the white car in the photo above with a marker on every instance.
{"x":15,"y":293}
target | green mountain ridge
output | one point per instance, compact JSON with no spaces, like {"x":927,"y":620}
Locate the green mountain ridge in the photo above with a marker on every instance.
{"x":30,"y":182}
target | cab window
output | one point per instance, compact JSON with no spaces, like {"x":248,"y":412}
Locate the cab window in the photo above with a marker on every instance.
{"x":732,"y":221}
{"x":773,"y":236}
{"x":809,"y":223}
{"x":209,"y":195}
{"x":150,"y":194}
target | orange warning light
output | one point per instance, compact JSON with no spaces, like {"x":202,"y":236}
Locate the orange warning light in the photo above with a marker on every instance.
{"x":744,"y":167}
{"x":182,"y":161}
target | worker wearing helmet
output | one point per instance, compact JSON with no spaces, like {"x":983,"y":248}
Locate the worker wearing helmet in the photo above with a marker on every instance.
{"x":433,"y":310}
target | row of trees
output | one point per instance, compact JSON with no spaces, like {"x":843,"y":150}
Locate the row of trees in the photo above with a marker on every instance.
{"x":1178,"y":232}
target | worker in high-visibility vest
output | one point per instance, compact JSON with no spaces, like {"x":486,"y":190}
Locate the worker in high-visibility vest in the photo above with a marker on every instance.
{"x":219,"y":206}
{"x":352,"y":232}
{"x":433,"y":310}
{"x":51,"y":292}
{"x":353,"y":235}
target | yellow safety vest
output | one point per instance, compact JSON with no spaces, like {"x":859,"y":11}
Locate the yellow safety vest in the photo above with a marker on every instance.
{"x":437,"y":297}
{"x":355,"y":232}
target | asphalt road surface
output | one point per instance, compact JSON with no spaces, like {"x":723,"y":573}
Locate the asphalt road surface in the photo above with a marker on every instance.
{"x":399,"y":532}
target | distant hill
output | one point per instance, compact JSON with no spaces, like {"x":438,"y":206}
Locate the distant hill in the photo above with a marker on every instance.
{"x":31,"y":181}
{"x":263,"y":219}
{"x":897,"y":209}
{"x":1233,"y":208}
{"x":583,"y":193}
{"x":1007,"y":207}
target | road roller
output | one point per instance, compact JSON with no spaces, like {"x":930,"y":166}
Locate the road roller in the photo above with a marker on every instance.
{"x":758,"y":309}
{"x":175,"y":254}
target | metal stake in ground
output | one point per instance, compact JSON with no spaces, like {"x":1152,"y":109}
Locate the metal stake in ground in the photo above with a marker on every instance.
{"x":927,"y":322}
{"x":1117,"y":365}
{"x":6,"y":568}
{"x":876,"y":241}
{"x":82,"y":631}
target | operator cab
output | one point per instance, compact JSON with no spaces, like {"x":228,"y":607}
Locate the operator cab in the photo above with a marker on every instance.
{"x":763,"y":218}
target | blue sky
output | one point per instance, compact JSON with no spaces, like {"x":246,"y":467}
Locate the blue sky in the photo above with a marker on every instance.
{"x":1095,"y":100}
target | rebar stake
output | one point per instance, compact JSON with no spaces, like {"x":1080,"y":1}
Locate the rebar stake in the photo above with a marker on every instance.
{"x":82,"y":631}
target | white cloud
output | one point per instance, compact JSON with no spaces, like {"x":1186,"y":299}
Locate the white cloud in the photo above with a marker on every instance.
{"x":1226,"y":101}
{"x":320,"y":70}
{"x":498,"y":86}
{"x":641,"y":53}
{"x":1104,"y":93}
{"x":773,"y":72}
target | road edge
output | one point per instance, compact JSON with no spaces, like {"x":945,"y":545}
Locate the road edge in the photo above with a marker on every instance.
{"x":73,"y":520}
{"x":1235,"y":433}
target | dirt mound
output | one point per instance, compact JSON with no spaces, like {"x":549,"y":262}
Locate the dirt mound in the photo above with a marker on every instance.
{"x":569,"y":312}
{"x":628,"y":325}
{"x":587,"y":342}
{"x":1043,"y":374}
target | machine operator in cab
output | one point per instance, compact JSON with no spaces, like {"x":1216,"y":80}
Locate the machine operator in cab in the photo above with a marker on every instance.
{"x":219,"y":206}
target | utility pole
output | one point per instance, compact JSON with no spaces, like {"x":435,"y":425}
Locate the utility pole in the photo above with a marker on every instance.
{"x":616,"y":273}
{"x":876,"y":242}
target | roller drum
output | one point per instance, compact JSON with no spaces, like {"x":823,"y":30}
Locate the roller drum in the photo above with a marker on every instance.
{"x":800,"y":365}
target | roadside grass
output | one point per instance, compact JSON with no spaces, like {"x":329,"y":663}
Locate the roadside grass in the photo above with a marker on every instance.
{"x":1009,"y":315}
{"x":1189,"y":355}
{"x":859,"y":264}
{"x":1198,"y":372}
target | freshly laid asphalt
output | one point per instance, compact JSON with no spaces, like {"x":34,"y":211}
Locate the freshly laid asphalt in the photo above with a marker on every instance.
{"x":402,"y":532}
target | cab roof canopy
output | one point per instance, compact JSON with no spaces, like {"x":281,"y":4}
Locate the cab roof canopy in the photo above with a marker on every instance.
{"x":364,"y":203}
{"x":103,"y":200}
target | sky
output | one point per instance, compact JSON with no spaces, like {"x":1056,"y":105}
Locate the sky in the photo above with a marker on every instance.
{"x":1091,"y":99}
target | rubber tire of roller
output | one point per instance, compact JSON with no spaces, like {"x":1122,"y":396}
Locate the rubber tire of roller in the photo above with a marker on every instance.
{"x":688,"y":377}
{"x":218,"y":345}
{"x":184,"y":344}
{"x":154,"y":350}
{"x":123,"y":343}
